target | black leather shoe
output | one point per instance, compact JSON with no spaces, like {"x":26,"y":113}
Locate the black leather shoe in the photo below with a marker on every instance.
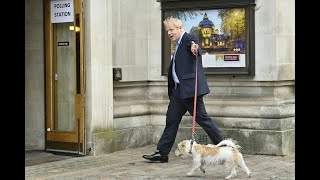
{"x":157,"y":157}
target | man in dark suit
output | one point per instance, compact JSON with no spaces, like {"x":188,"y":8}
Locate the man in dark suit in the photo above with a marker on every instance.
{"x":181,"y":90}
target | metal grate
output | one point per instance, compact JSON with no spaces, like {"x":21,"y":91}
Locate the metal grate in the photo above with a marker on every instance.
{"x":202,"y":139}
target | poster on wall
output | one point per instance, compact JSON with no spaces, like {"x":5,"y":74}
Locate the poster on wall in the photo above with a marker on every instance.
{"x":224,"y":29}
{"x":61,"y":11}
{"x":221,"y":34}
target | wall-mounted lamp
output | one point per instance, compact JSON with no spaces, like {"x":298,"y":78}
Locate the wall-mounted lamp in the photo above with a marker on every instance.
{"x":71,"y":28}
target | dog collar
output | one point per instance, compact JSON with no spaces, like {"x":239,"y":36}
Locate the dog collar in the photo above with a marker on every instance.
{"x":191,"y":143}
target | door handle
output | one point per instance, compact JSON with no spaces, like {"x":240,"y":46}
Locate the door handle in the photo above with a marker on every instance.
{"x":56,"y":77}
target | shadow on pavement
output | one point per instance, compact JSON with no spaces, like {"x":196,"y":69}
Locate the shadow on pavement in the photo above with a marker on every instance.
{"x":35,"y":157}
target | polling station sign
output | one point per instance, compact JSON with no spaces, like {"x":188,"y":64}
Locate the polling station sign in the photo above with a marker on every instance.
{"x":62,"y":11}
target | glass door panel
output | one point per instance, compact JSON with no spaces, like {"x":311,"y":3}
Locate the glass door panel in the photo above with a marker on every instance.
{"x":65,"y":78}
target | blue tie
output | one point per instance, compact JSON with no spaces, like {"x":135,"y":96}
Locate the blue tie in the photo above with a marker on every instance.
{"x":174,"y":74}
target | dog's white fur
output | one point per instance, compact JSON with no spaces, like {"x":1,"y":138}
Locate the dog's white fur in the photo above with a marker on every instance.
{"x":226,"y":152}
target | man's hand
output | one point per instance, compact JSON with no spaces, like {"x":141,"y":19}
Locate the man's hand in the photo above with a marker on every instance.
{"x":194,"y":48}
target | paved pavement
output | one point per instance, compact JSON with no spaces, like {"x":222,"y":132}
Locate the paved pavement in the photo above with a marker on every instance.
{"x":40,"y":157}
{"x":129,"y":164}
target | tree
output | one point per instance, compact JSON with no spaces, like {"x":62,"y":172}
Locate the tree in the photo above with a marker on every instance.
{"x":233,"y":22}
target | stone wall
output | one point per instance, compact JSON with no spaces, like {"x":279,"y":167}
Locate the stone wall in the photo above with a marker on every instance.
{"x":34,"y":76}
{"x":258,"y":111}
{"x":261,"y":118}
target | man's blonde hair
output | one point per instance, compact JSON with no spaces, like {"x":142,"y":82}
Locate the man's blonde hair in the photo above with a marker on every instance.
{"x":173,"y":21}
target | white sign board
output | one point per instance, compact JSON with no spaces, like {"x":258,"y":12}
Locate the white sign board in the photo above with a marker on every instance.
{"x":62,"y":11}
{"x":224,"y":60}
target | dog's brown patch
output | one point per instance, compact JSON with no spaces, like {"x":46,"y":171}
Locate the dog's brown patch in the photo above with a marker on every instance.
{"x":206,"y":151}
{"x":236,"y":155}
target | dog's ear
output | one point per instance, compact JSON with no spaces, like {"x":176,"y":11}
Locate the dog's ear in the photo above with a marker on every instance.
{"x":183,"y":144}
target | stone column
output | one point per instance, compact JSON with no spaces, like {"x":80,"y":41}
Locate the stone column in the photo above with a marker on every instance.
{"x":98,"y":66}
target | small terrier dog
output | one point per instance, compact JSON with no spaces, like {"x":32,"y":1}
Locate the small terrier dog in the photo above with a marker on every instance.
{"x":226,"y":152}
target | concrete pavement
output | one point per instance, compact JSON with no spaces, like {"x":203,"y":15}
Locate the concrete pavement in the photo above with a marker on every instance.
{"x":129,"y":164}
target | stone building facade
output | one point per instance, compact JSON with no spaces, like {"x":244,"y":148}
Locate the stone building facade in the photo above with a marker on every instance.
{"x":258,"y":111}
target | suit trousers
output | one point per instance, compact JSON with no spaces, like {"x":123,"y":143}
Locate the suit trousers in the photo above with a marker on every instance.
{"x":176,"y":109}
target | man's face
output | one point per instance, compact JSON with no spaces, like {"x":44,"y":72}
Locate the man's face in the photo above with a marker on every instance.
{"x":174,"y":33}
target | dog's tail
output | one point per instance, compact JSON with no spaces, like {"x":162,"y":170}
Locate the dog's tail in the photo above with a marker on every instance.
{"x":230,"y":143}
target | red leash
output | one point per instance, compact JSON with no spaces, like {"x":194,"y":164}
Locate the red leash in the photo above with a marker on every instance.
{"x":195,"y":100}
{"x":194,"y":106}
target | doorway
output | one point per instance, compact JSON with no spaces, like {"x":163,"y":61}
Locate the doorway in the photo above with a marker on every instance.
{"x":64,"y":76}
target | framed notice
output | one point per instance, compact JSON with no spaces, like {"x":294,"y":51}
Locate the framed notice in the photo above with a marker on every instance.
{"x":224,"y":28}
{"x":61,"y":11}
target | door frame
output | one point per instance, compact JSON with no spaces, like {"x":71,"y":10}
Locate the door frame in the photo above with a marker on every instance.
{"x":63,"y":138}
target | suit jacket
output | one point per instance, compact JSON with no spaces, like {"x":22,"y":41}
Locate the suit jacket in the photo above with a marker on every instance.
{"x":186,"y":68}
